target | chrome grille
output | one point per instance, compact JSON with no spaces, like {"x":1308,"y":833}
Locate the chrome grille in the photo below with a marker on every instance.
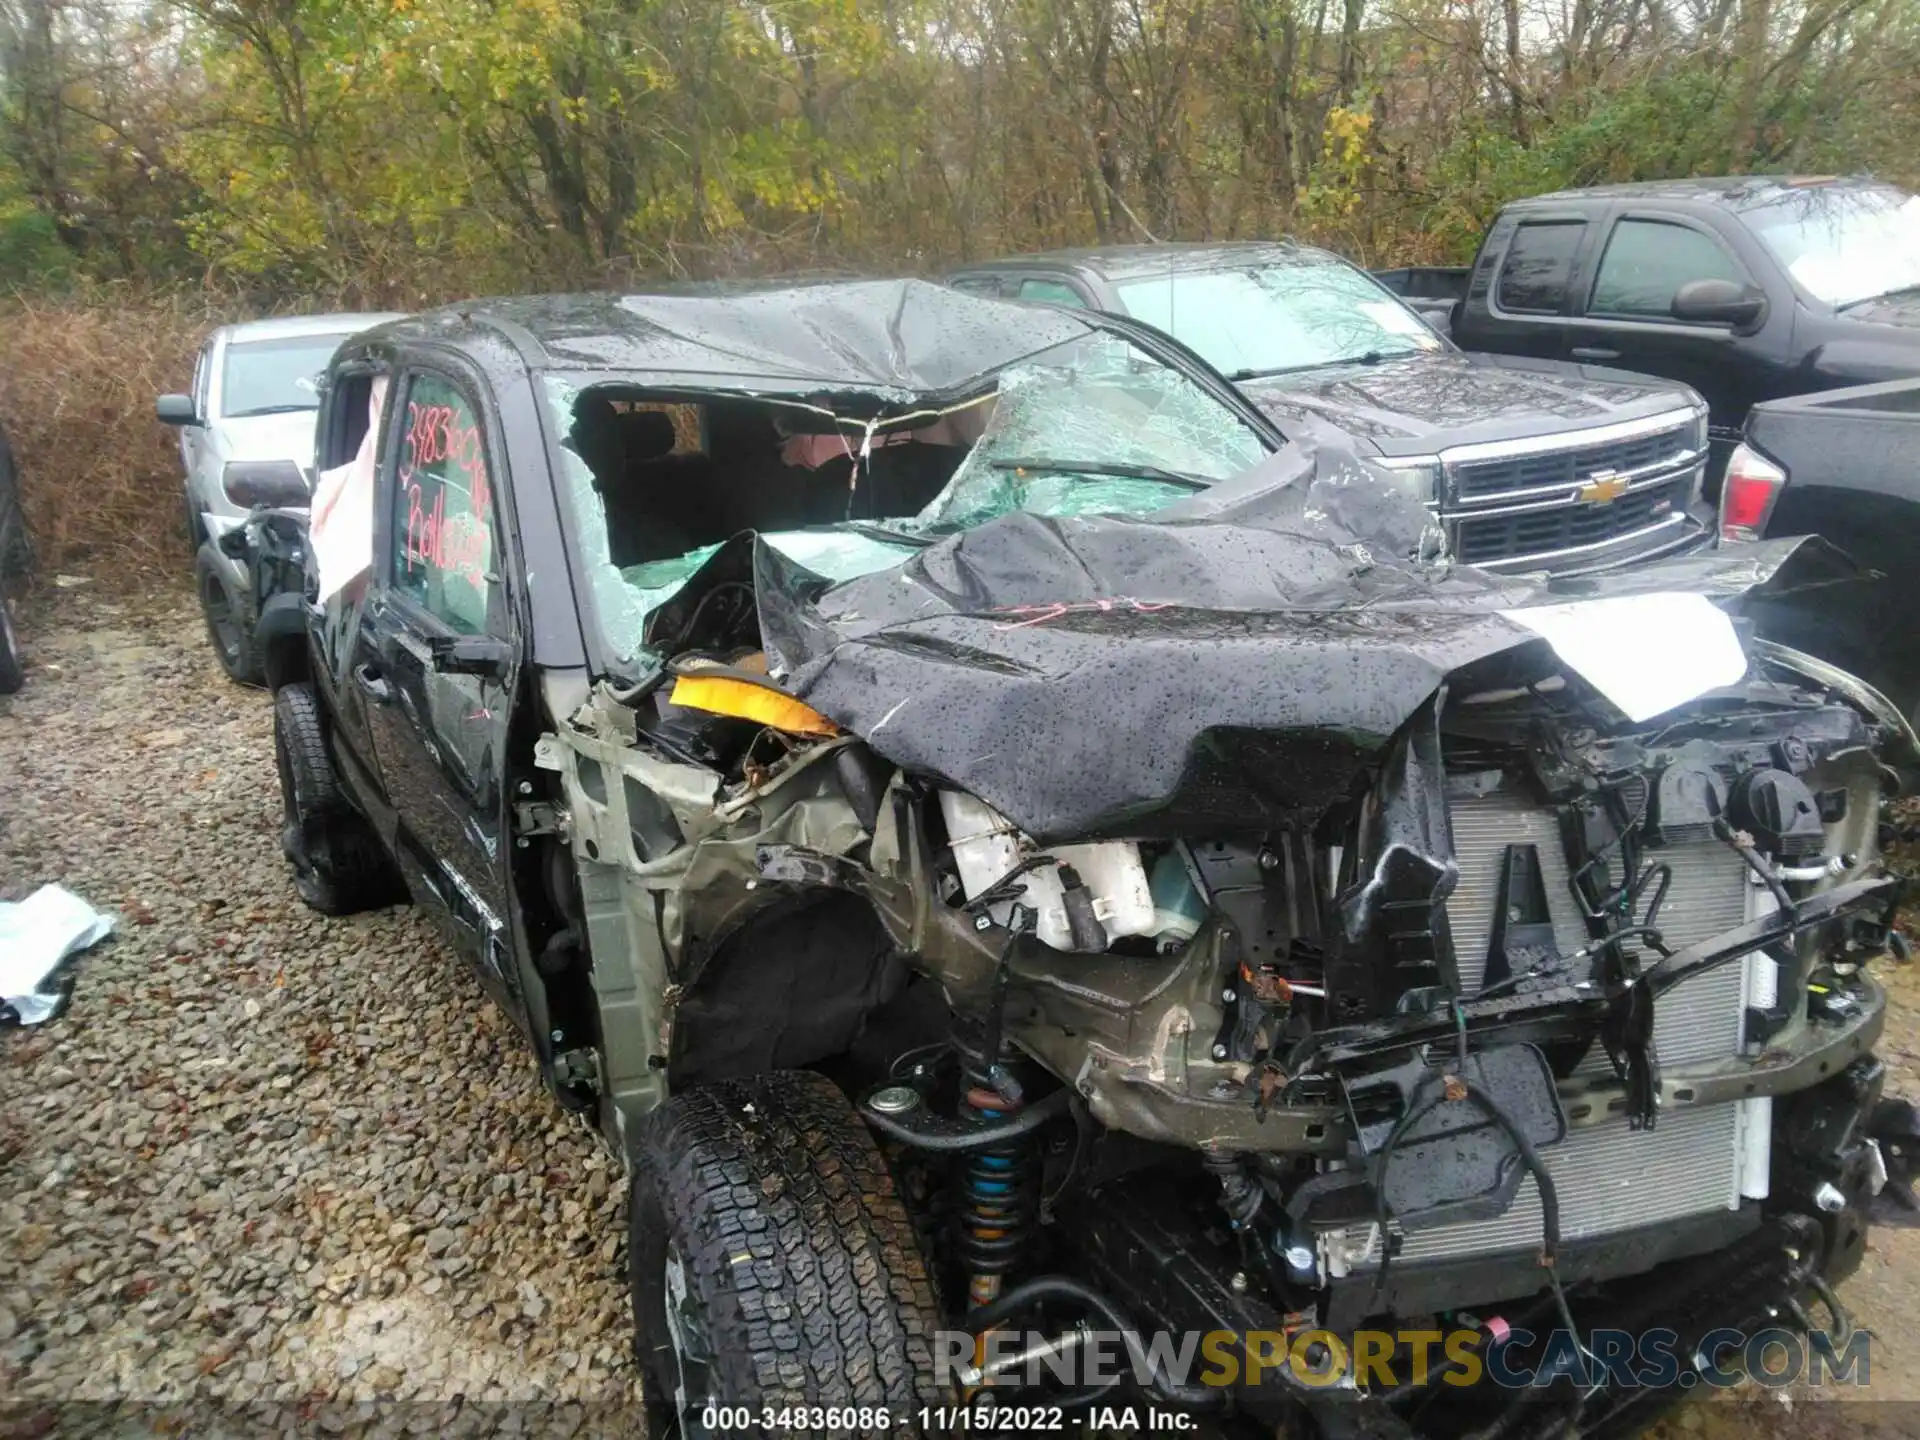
{"x":1698,"y":1019}
{"x":1480,"y":480}
{"x":1484,"y":538}
{"x":1608,"y":1178}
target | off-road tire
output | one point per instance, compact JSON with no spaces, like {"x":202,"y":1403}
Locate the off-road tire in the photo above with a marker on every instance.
{"x":338,"y":865}
{"x":12,"y":675}
{"x":227,"y":628}
{"x":791,"y":1236}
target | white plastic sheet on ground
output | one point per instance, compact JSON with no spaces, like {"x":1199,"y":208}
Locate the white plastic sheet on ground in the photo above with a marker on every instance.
{"x":36,"y":934}
{"x":1645,"y":653}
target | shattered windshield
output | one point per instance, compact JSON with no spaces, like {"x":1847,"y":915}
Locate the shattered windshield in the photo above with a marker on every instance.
{"x":1270,"y":319}
{"x":657,"y":481}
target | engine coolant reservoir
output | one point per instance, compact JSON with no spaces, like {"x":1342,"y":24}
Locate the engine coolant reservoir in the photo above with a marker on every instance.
{"x":986,"y":847}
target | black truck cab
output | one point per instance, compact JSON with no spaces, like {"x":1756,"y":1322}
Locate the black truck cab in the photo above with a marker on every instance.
{"x":1747,"y":288}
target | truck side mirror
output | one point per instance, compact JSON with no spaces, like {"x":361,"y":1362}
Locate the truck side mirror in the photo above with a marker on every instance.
{"x":1719,"y":302}
{"x":471,"y":655}
{"x":175,"y":410}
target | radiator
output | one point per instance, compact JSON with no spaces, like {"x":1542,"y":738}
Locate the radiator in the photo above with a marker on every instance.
{"x":1608,"y":1178}
{"x":1696,"y":1020}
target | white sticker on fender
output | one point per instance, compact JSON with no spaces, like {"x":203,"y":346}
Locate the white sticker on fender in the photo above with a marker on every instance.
{"x":1645,"y":653}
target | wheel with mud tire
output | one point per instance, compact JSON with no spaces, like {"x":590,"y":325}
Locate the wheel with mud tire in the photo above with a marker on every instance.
{"x":226,"y":618}
{"x":12,"y":675}
{"x":338,"y":865}
{"x":772,"y":1263}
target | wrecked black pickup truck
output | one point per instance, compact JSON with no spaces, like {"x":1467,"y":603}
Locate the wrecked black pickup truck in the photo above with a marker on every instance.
{"x":1014,"y":855}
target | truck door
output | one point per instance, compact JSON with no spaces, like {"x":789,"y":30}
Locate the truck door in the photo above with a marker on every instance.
{"x":1520,"y":297}
{"x":438,"y":666}
{"x":1627,"y":319}
{"x":350,"y":429}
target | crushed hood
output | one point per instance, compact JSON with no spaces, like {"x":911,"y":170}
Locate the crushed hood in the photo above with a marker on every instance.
{"x":1212,"y":668}
{"x":1419,"y":404}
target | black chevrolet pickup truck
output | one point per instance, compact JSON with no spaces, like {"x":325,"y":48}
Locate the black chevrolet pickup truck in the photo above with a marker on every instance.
{"x":1007,"y":850}
{"x":1529,"y":464}
{"x":1747,"y":289}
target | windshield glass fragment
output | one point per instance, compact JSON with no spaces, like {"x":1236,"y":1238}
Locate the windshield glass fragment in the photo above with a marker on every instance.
{"x":656,"y":483}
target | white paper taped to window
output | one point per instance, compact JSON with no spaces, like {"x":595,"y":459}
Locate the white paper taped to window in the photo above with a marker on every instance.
{"x":1645,"y":653}
{"x":340,"y":519}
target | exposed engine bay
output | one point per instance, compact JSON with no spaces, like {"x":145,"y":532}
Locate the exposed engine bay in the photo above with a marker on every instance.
{"x":1229,"y":926}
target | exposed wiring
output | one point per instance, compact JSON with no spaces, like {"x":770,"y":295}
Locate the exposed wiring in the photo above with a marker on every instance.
{"x":1464,"y":1088}
{"x":1742,"y":845}
{"x":1082,"y":1134}
{"x":902,"y":1061}
{"x":1021,"y":922}
{"x":700,"y":609}
{"x":1061,"y":1289}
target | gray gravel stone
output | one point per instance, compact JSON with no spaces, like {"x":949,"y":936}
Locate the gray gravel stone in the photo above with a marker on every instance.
{"x":260,"y":1157}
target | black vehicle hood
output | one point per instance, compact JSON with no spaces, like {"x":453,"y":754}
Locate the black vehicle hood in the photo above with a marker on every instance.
{"x":1418,"y":404}
{"x":1208,"y":669}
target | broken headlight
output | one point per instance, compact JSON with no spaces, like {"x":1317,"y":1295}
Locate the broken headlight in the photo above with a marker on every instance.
{"x":1417,"y":477}
{"x":250,"y":483}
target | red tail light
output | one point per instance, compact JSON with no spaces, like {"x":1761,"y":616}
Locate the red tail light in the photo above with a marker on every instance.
{"x":1747,"y":495}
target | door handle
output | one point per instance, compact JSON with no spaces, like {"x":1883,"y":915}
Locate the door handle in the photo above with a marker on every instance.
{"x":1594,"y":352}
{"x":371,"y":684}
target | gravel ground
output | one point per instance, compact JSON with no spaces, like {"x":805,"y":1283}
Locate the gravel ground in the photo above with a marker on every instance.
{"x":265,"y":1155}
{"x":272,"y":1157}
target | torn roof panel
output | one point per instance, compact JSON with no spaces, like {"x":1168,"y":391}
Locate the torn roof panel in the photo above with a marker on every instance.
{"x":897,"y":339}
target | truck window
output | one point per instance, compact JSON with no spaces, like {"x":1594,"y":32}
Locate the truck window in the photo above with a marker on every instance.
{"x":1539,"y":265}
{"x":442,"y":533}
{"x":1646,"y":261}
{"x":1054,"y":292}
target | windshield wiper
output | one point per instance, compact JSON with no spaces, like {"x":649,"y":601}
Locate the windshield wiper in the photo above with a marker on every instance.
{"x":1119,"y":471}
{"x":1369,"y":357}
{"x":887,"y":533}
{"x":267,"y":410}
{"x":1892,"y":294}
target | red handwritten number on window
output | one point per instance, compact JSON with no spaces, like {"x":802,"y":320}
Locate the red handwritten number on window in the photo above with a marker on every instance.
{"x":457,"y":544}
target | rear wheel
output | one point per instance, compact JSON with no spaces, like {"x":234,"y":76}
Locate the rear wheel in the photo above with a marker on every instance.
{"x":226,"y":617}
{"x":773,"y":1265}
{"x":338,"y":865}
{"x":12,"y":675}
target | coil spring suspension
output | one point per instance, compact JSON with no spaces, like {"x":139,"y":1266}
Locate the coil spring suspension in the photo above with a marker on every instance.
{"x":999,"y":1187}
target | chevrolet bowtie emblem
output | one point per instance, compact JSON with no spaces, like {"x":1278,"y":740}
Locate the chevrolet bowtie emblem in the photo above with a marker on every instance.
{"x":1603,"y":487}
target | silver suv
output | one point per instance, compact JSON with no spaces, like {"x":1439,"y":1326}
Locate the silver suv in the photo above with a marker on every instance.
{"x":246,"y":437}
